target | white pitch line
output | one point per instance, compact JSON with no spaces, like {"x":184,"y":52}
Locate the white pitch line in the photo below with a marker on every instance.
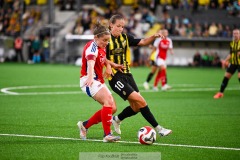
{"x":8,"y":92}
{"x":129,"y":142}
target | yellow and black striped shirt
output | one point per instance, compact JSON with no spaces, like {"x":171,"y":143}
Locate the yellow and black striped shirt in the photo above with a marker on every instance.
{"x":118,"y":50}
{"x":235,"y":52}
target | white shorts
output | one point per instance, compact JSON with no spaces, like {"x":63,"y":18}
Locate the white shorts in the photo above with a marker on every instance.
{"x":161,"y":62}
{"x":91,"y":91}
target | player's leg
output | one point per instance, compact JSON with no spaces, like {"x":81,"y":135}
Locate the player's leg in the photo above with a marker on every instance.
{"x":158,"y":77}
{"x":105,"y":98}
{"x":101,"y":94}
{"x":138,"y":103}
{"x":227,"y":76}
{"x":150,"y":75}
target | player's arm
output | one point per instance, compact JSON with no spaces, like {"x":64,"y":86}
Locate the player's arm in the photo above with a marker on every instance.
{"x":149,"y":40}
{"x":90,"y":70}
{"x":108,"y":70}
{"x":171,"y":51}
{"x":119,"y":67}
{"x":227,"y":58}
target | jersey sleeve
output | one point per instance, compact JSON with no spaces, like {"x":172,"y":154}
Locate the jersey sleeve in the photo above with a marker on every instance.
{"x":156,"y":42}
{"x":170,"y":43}
{"x":91,"y":52}
{"x":132,"y":41}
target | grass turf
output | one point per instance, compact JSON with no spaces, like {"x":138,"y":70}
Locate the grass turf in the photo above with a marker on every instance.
{"x":54,"y":104}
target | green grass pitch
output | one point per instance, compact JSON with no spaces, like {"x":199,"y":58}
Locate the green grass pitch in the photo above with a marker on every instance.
{"x":42,"y":104}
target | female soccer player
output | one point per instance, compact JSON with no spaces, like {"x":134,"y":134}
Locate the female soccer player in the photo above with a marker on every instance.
{"x":92,"y":83}
{"x":122,"y":82}
{"x":234,"y":62}
{"x":161,"y":46}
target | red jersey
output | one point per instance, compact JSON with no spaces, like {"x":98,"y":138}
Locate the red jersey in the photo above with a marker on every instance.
{"x":162,"y":46}
{"x":89,"y":50}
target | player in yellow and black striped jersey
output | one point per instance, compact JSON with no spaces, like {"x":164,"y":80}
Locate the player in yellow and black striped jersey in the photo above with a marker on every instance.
{"x":233,"y":60}
{"x":122,"y":82}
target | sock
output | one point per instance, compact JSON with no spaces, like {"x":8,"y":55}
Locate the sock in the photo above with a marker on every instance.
{"x":224,"y":84}
{"x":163,"y":77}
{"x":158,"y":128}
{"x":127,"y":112}
{"x":157,"y":79}
{"x":239,"y":80}
{"x":147,"y":114}
{"x":95,"y":119}
{"x":106,"y":119}
{"x":150,"y":75}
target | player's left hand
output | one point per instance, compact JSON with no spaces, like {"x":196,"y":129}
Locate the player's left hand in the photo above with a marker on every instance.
{"x":159,"y":35}
{"x":119,"y":67}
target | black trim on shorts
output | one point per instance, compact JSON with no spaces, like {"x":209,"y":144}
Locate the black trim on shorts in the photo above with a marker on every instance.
{"x":232,"y":68}
{"x":123,"y":84}
{"x":153,"y":63}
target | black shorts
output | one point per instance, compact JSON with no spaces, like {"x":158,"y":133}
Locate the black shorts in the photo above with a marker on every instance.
{"x":153,"y":63}
{"x":123,"y":84}
{"x":232,"y":68}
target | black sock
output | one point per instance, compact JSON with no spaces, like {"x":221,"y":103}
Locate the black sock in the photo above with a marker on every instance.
{"x":127,"y":112}
{"x":224,"y":84}
{"x":150,"y":75}
{"x":239,"y":80}
{"x":147,"y":114}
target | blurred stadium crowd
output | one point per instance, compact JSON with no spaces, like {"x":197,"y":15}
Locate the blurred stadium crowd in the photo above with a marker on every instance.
{"x":144,"y":17}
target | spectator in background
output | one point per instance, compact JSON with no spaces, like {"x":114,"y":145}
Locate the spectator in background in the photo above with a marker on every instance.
{"x":197,"y":60}
{"x":213,"y":30}
{"x":78,"y":29}
{"x":213,"y":4}
{"x":46,"y":49}
{"x":30,"y":50}
{"x":198,"y":30}
{"x":205,"y":31}
{"x":216,"y":60}
{"x":205,"y":59}
{"x":36,"y":46}
{"x":194,"y":6}
{"x":18,"y":45}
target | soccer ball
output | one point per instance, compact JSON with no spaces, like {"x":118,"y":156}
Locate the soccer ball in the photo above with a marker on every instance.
{"x":146,"y":135}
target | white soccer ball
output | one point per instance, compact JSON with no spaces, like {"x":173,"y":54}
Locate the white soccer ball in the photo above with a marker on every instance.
{"x":146,"y":135}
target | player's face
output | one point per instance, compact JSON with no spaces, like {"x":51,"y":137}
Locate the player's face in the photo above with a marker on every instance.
{"x":236,"y":34}
{"x":117,"y":27}
{"x":103,"y":41}
{"x":165,"y":33}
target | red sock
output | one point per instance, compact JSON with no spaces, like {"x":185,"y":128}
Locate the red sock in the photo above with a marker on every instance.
{"x":163,"y":77}
{"x":157,"y":79}
{"x":95,"y":119}
{"x":106,"y":119}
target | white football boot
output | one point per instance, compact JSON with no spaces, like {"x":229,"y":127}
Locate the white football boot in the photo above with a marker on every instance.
{"x":146,"y":86}
{"x":166,"y":87}
{"x":83,"y":130}
{"x":164,"y":132}
{"x":116,"y":126}
{"x":111,"y":138}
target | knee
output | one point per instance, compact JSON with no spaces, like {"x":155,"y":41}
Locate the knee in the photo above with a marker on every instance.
{"x":110,"y":102}
{"x":138,"y":104}
{"x":114,"y":109}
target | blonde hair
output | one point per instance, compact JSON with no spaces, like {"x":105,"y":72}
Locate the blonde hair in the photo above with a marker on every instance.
{"x":100,"y":30}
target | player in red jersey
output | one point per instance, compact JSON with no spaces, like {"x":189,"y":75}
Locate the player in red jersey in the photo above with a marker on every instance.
{"x":162,"y":45}
{"x":92,"y":83}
